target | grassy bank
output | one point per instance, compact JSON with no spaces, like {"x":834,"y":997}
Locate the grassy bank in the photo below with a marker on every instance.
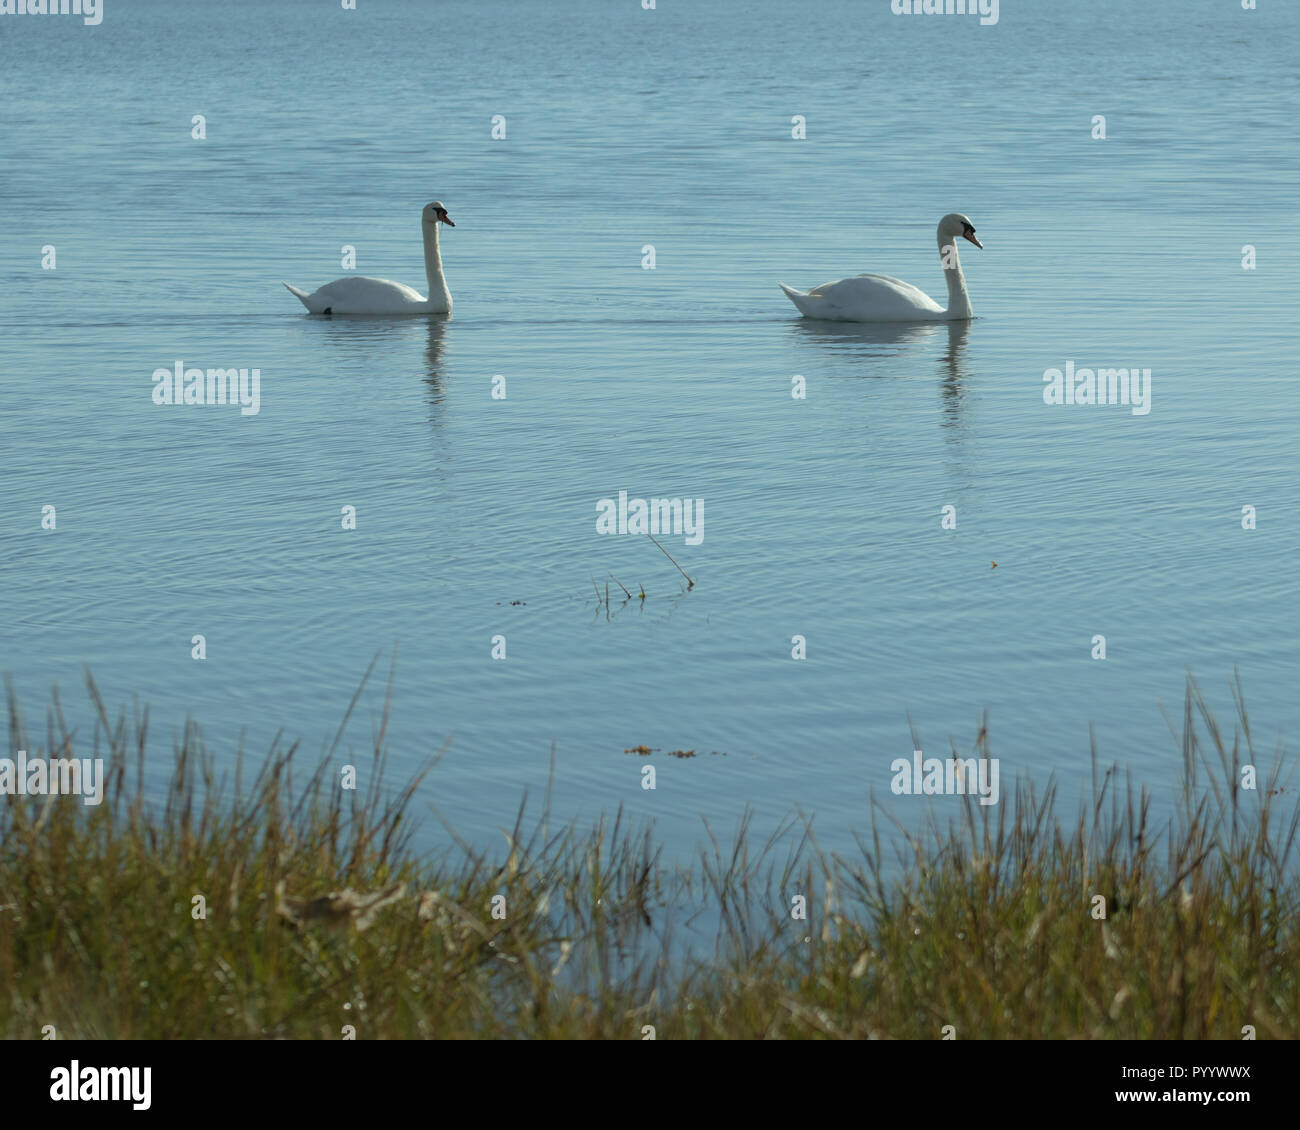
{"x":316,"y":915}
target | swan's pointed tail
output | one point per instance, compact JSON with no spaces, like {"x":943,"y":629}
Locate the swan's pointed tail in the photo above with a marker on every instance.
{"x":301,"y":295}
{"x":804,"y":302}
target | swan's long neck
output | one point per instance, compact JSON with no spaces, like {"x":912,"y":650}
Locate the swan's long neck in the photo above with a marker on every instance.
{"x":438,"y":291}
{"x":958,"y":300}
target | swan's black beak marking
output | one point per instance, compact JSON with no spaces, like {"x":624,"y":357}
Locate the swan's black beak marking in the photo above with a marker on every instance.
{"x":969,"y":233}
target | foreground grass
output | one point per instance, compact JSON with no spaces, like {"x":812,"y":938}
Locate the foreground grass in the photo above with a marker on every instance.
{"x":318,"y":917}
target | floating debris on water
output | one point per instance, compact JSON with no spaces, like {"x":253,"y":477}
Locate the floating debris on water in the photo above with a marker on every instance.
{"x":645,"y":751}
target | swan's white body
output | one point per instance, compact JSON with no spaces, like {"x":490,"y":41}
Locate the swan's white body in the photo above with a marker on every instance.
{"x":358,"y":294}
{"x":883,"y":298}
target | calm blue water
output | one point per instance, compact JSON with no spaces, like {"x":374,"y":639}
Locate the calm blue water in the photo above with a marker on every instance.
{"x":672,"y":128}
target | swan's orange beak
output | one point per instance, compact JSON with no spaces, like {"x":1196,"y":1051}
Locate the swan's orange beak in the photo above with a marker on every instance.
{"x":971,"y":236}
{"x":446,"y":219}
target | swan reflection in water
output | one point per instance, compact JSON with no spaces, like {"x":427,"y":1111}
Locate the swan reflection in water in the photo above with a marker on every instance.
{"x":879,"y":340}
{"x":367,"y":342}
{"x":437,"y":328}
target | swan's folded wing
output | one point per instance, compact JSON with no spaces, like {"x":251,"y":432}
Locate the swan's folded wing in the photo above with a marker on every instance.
{"x":874,"y":298}
{"x":359,"y":294}
{"x":903,"y":288}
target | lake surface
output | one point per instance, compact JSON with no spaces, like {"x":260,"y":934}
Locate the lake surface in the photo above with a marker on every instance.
{"x":476,"y":517}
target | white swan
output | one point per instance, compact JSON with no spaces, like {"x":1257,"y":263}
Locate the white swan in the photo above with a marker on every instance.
{"x":357,"y":294}
{"x":882,"y":298}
